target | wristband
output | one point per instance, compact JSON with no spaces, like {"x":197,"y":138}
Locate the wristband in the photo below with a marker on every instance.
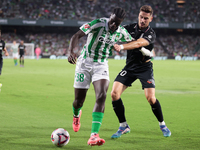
{"x":122,"y":47}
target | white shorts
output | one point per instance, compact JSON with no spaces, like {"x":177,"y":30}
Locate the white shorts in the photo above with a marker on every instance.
{"x":88,"y":71}
{"x":15,"y":55}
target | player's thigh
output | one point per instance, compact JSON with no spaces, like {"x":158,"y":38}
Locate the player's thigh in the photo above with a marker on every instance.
{"x":100,"y":71}
{"x":15,"y":55}
{"x":117,"y":89}
{"x":147,"y":78}
{"x":126,"y":77}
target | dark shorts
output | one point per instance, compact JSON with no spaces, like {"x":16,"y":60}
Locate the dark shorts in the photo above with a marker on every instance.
{"x":21,"y":55}
{"x":146,"y":78}
{"x":1,"y":65}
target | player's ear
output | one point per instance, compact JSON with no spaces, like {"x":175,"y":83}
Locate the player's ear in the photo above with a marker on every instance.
{"x":151,"y":18}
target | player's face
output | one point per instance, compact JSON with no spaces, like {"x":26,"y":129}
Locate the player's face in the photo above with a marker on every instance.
{"x":114,"y":22}
{"x":144,"y":19}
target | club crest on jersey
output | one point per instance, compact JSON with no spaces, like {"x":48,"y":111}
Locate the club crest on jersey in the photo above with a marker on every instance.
{"x":117,"y":38}
{"x":102,"y":39}
{"x":87,"y":26}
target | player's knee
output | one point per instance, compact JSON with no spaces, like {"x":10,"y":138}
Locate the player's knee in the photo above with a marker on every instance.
{"x":151,"y":99}
{"x":114,"y":95}
{"x":101,"y":97}
{"x":77,"y":104}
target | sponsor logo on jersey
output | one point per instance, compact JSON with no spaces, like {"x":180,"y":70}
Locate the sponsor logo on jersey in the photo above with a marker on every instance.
{"x":151,"y":81}
{"x":102,"y":39}
{"x":87,"y":26}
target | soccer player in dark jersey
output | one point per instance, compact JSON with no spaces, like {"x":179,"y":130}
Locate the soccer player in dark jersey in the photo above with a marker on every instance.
{"x":22,"y":51}
{"x":2,"y":48}
{"x":138,"y":66}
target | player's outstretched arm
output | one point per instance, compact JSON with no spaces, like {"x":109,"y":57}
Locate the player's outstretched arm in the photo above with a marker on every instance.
{"x":73,"y":42}
{"x":141,"y":42}
{"x":5,"y":52}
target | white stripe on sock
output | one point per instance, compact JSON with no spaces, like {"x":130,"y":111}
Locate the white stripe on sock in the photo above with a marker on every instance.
{"x":96,"y":122}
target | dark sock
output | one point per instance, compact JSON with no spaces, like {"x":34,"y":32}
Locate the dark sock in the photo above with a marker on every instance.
{"x":156,"y":108}
{"x":23,"y":62}
{"x":119,"y":109}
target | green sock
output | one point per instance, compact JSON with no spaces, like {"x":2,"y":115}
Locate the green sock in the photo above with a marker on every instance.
{"x":96,"y":121}
{"x":15,"y":61}
{"x":76,"y":111}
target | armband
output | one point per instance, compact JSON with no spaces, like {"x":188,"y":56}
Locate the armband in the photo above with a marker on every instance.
{"x":146,"y":52}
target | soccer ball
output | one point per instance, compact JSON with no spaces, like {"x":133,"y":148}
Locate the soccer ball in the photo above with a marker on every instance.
{"x":60,"y":137}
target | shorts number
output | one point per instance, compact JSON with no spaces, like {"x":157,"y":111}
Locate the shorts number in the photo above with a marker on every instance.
{"x":79,"y":77}
{"x":123,"y":73}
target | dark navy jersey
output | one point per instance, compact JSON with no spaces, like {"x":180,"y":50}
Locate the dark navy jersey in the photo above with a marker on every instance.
{"x":21,"y":49}
{"x":2,"y":46}
{"x":135,"y":60}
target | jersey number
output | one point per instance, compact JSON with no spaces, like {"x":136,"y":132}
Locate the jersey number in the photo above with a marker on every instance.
{"x":79,"y":77}
{"x":123,"y":73}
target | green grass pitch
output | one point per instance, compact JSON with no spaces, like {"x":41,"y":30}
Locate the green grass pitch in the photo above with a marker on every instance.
{"x":37,"y":99}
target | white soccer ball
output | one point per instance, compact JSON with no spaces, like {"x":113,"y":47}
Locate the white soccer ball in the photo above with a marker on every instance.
{"x":60,"y":137}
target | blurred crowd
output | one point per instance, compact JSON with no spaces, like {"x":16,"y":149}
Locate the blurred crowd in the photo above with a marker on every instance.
{"x":182,"y":45}
{"x":57,"y":44}
{"x":164,"y":11}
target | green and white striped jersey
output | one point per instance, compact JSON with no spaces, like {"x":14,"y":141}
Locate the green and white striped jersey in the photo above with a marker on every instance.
{"x":14,"y":48}
{"x":100,"y":39}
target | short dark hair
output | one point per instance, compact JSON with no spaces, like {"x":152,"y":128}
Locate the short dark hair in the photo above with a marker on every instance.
{"x":119,"y":12}
{"x":147,"y":9}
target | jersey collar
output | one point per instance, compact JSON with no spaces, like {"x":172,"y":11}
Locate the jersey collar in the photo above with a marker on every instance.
{"x":144,"y":30}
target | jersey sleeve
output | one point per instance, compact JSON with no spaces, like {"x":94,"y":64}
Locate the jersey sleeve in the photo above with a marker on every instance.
{"x":4,"y":45}
{"x":90,"y":26}
{"x":150,"y":36}
{"x":126,"y":37}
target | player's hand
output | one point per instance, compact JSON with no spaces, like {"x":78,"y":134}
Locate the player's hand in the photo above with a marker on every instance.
{"x":72,"y":58}
{"x":117,"y":47}
{"x":6,"y":54}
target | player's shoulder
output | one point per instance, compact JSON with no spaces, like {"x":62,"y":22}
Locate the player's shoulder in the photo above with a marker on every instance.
{"x":2,"y":40}
{"x":103,"y":19}
{"x":100,"y":20}
{"x":152,"y":32}
{"x":128,"y":26}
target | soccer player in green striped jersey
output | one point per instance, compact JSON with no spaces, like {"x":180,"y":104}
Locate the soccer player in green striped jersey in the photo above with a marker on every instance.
{"x":14,"y":50}
{"x":92,"y":66}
